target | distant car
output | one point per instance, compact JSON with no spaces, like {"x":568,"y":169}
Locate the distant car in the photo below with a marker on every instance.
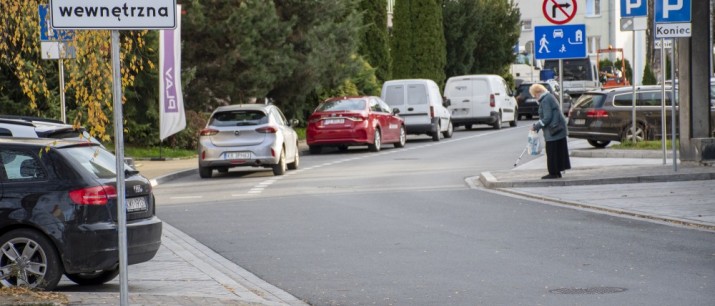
{"x":528,"y":106}
{"x":480,"y":99}
{"x":248,"y":135}
{"x":58,"y":214}
{"x":606,"y":115}
{"x":354,"y":121}
{"x":421,"y":105}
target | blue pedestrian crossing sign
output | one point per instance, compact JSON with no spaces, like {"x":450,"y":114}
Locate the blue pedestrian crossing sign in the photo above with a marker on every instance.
{"x":560,"y":41}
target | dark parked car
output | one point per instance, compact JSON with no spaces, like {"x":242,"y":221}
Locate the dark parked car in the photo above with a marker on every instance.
{"x":58,"y":213}
{"x":606,"y":115}
{"x":529,"y":108}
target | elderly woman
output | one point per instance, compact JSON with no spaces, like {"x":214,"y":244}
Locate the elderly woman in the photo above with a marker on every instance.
{"x":554,"y":125}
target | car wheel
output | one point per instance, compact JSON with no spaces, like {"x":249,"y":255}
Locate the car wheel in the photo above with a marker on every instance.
{"x":498,"y":123}
{"x":628,"y":133}
{"x":450,"y":130}
{"x":468,"y":126}
{"x":529,"y":117}
{"x":403,"y":138}
{"x":513,"y":122}
{"x":375,"y":146}
{"x":93,"y":278}
{"x":437,"y":136}
{"x":223,"y":170}
{"x":343,"y":148}
{"x":280,"y":167}
{"x":296,"y":162}
{"x":598,"y":143}
{"x":205,"y":172}
{"x":315,"y":149}
{"x":27,"y":258}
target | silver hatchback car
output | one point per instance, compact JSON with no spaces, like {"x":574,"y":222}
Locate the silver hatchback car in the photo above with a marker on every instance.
{"x":256,"y":135}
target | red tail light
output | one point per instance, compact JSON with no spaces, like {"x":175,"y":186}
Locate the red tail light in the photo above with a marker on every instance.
{"x":267,"y":130}
{"x":596,"y":113}
{"x":356,"y":117}
{"x":492,"y":101}
{"x":431,"y":111}
{"x":208,"y":132}
{"x":314,"y":119}
{"x":98,"y":195}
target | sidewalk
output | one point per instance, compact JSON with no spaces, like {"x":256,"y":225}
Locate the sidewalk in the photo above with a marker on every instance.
{"x":184,"y":272}
{"x":631,"y":183}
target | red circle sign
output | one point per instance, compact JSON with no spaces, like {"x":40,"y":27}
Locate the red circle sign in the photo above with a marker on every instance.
{"x":559,"y":11}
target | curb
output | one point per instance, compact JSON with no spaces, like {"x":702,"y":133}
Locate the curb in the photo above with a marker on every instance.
{"x":639,"y":215}
{"x":173,"y":176}
{"x":614,"y":153}
{"x":489,"y":181}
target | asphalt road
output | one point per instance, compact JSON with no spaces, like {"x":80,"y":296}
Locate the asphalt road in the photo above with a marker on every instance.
{"x":401,"y":227}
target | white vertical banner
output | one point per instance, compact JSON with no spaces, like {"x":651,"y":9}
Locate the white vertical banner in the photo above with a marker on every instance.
{"x":171,"y":104}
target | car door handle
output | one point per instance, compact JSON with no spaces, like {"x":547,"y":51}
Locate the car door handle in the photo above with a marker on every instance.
{"x":410,"y":109}
{"x":466,"y":100}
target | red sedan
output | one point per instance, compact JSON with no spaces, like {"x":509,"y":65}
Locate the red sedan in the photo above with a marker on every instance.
{"x":354,"y":121}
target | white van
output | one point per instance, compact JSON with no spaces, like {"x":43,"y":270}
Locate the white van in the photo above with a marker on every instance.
{"x":480,"y":99}
{"x":421,"y":105}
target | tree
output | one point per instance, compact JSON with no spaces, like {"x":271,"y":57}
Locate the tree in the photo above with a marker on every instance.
{"x":461,"y":27}
{"x":374,"y":45}
{"x":648,"y":76}
{"x":498,"y":31}
{"x":418,"y":43}
{"x":324,"y":40}
{"x":29,"y":83}
{"x":236,"y":51}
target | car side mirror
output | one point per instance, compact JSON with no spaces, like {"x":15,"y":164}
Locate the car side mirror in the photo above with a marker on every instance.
{"x":395,"y":111}
{"x":446,"y":102}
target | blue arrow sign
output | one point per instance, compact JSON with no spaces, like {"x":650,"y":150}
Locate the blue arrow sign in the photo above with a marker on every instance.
{"x":47,"y":33}
{"x":560,"y":42}
{"x":672,"y":11}
{"x":634,"y":8}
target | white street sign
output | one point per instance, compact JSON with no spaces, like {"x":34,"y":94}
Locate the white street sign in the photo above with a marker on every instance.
{"x":113,"y":14}
{"x":668,"y":44}
{"x":671,"y":30}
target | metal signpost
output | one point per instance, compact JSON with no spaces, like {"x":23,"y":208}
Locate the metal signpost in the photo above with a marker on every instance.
{"x":560,"y":42}
{"x":56,"y":44}
{"x":672,"y":20}
{"x":570,"y":38}
{"x":634,"y":17}
{"x":116,"y":15}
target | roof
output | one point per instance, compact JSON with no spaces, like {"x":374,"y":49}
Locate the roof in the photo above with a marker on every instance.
{"x":261,"y":107}
{"x":45,"y":142}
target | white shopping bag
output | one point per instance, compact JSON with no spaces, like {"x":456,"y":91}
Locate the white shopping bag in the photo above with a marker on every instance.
{"x":533,"y":143}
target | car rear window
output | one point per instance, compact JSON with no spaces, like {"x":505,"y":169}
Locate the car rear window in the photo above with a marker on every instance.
{"x":395,"y":95}
{"x":238,"y":118}
{"x":590,"y":100}
{"x":94,"y":159}
{"x":342,"y":105}
{"x":417,"y":94}
{"x":523,"y":91}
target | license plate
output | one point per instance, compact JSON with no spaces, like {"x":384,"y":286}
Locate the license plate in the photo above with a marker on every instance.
{"x":136,"y":204}
{"x":238,"y":155}
{"x":334,"y":121}
{"x":579,"y":121}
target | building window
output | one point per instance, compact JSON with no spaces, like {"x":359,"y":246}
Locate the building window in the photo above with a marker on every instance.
{"x":593,"y":8}
{"x":526,"y":25}
{"x":594,"y":43}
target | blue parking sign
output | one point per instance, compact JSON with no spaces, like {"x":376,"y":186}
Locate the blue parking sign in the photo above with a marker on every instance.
{"x":634,"y":8}
{"x":47,"y":33}
{"x":560,"y":41}
{"x":672,"y":11}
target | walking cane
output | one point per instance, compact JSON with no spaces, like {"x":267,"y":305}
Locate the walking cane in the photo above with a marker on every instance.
{"x":520,"y":155}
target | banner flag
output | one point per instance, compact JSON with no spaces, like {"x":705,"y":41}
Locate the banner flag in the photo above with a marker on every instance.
{"x":171,"y":105}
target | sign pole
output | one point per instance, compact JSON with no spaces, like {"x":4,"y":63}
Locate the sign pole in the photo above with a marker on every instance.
{"x":561,"y":85}
{"x":62,"y":86}
{"x":119,"y":152}
{"x":633,"y":80}
{"x":662,"y":104}
{"x":672,"y":106}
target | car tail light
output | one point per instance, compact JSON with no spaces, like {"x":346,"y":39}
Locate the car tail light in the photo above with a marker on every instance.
{"x":314,"y":119}
{"x":431,"y":111}
{"x":356,"y":117}
{"x":208,"y":132}
{"x":596,"y":113}
{"x":492,"y":101}
{"x":97,"y":195}
{"x":267,"y":130}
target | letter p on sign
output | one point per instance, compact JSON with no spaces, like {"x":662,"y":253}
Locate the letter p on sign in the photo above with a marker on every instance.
{"x":631,"y":4}
{"x":634,"y":8}
{"x":667,"y":7}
